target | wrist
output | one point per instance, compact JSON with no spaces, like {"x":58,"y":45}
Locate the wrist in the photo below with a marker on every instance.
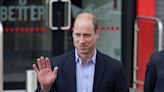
{"x":45,"y":88}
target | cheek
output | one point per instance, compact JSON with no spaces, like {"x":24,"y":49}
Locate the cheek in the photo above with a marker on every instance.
{"x":91,"y":41}
{"x":75,"y":42}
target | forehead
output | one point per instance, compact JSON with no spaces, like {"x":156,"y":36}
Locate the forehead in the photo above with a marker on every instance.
{"x":83,"y":25}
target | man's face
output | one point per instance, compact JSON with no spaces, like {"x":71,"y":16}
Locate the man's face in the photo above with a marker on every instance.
{"x":84,"y":36}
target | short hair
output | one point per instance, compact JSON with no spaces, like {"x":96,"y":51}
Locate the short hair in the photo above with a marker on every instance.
{"x":94,"y":20}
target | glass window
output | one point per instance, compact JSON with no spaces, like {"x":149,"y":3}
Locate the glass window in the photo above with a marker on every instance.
{"x":108,"y":13}
{"x":26,"y":37}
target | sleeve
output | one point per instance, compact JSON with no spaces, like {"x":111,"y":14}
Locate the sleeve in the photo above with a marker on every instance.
{"x":121,"y":84}
{"x":52,"y":89}
{"x":150,"y":76}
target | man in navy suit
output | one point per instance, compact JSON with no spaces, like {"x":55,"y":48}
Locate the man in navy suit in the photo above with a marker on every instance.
{"x":154,"y":77}
{"x":84,"y":69}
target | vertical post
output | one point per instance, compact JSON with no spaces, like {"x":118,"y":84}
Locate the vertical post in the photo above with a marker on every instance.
{"x":1,"y":57}
{"x":127,"y":32}
{"x":31,"y":81}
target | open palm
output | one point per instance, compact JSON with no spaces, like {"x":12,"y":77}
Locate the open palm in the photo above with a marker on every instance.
{"x":45,"y":75}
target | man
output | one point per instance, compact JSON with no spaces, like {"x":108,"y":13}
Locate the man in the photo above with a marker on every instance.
{"x":84,"y":69}
{"x":154,"y":77}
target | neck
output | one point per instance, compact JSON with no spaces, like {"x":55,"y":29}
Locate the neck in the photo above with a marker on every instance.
{"x":86,"y":56}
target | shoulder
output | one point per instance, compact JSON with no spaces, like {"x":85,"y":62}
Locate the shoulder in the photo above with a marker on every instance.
{"x":58,"y":60}
{"x":108,"y":60}
{"x":158,"y":54}
{"x":64,"y":56}
{"x":112,"y":67}
{"x":157,"y":59}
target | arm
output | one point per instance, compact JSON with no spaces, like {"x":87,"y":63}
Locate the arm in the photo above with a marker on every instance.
{"x":52,"y":89}
{"x":121,"y":84}
{"x":45,"y":74}
{"x":150,"y":76}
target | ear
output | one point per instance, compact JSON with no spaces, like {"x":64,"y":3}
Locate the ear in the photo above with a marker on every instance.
{"x":72,"y":31}
{"x":97,"y":34}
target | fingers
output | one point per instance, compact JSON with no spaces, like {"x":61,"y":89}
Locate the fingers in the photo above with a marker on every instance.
{"x":48,"y":63}
{"x":35,"y":68}
{"x":39,"y":63}
{"x":43,"y":63}
{"x":55,"y":71}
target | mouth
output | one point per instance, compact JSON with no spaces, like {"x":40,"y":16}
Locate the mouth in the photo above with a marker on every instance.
{"x":82,"y":47}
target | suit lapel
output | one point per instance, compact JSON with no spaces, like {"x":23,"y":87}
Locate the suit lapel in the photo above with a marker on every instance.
{"x":70,"y":72}
{"x":99,"y":68}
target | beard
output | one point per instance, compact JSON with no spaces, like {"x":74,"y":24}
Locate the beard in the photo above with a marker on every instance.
{"x":83,"y":50}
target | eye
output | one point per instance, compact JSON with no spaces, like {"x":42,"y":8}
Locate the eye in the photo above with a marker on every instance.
{"x":87,"y":35}
{"x":77,"y":34}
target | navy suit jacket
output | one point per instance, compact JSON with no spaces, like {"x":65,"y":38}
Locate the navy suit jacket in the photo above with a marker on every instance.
{"x":154,"y":78}
{"x":109,"y":74}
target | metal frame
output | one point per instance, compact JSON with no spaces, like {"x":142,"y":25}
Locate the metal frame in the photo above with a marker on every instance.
{"x":1,"y":57}
{"x":50,"y":14}
{"x":31,"y":81}
{"x":136,"y":29}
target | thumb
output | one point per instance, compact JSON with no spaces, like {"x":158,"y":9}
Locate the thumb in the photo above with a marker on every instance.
{"x":55,"y":71}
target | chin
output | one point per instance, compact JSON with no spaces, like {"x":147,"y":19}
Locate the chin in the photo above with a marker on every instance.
{"x":83,"y":51}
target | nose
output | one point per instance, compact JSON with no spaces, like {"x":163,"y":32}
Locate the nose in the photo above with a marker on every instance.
{"x":82,"y":40}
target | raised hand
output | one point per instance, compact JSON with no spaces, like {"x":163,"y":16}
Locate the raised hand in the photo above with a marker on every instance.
{"x":45,"y":75}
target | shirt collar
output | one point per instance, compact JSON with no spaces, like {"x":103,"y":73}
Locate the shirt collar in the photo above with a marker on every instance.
{"x":93,"y":57}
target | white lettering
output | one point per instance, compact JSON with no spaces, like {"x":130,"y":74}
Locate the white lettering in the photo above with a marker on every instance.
{"x":11,"y":13}
{"x":22,"y":13}
{"x":41,"y":13}
{"x":3,"y":13}
{"x":33,"y":13}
